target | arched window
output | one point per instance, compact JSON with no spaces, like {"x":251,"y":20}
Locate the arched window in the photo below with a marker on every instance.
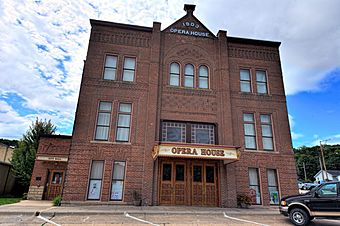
{"x":189,"y":75}
{"x":203,"y":77}
{"x":174,"y":74}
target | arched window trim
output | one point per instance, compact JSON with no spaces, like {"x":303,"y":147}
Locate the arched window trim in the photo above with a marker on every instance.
{"x":171,"y":74}
{"x":188,"y":76}
{"x":203,"y":77}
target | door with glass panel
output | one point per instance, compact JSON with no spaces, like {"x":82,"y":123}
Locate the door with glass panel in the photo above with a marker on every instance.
{"x":55,"y":184}
{"x":204,"y":184}
{"x":173,"y":183}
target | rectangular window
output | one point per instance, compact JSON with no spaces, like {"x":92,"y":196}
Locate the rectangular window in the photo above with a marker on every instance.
{"x":129,"y":69}
{"x":254,"y":186}
{"x":110,"y":67}
{"x":174,"y":132}
{"x":245,"y":81}
{"x":273,"y":187}
{"x":124,"y":122}
{"x":95,"y":182}
{"x":202,"y":134}
{"x":267,"y":134}
{"x":118,"y":177}
{"x":249,"y":131}
{"x":261,"y":81}
{"x":103,"y":120}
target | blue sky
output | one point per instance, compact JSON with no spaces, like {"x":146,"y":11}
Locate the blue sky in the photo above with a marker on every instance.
{"x":43,"y":45}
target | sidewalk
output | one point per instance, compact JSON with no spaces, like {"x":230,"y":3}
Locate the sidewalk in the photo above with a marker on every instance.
{"x":29,"y":207}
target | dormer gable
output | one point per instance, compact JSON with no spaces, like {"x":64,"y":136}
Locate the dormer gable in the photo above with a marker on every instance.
{"x":189,"y":25}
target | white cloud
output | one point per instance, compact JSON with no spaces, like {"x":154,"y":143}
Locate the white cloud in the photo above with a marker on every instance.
{"x":330,"y":140}
{"x":295,"y":135}
{"x":308,"y":31}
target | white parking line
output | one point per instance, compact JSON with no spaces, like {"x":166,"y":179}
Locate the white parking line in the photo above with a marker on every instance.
{"x":137,"y":219}
{"x":45,"y":219}
{"x":86,"y":218}
{"x":238,"y":219}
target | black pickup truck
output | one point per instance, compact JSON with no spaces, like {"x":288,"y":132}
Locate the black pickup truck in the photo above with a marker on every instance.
{"x":321,"y":201}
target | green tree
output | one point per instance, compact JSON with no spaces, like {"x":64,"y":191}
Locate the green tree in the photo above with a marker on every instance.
{"x":24,"y":156}
{"x":310,"y":156}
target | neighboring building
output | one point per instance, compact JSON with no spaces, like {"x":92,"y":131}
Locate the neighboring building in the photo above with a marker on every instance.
{"x":50,"y":165}
{"x":331,"y":175}
{"x":179,"y":115}
{"x":7,"y":179}
{"x":6,"y":153}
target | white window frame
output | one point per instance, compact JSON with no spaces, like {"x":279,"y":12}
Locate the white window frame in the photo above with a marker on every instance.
{"x":259,"y":82}
{"x":129,"y":69}
{"x":106,"y":67}
{"x":106,"y":126}
{"x":186,"y":76}
{"x":201,"y":77}
{"x":244,"y":81}
{"x":253,"y":122}
{"x":174,"y":74}
{"x":125,"y":127}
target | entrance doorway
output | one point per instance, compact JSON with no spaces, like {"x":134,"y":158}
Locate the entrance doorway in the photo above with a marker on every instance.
{"x":55,"y":184}
{"x":188,"y":182}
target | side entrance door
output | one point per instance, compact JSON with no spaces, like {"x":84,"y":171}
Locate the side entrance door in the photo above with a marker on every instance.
{"x":55,"y":184}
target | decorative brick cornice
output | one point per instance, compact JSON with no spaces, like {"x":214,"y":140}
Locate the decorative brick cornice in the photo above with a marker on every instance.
{"x":121,"y":38}
{"x":253,"y":53}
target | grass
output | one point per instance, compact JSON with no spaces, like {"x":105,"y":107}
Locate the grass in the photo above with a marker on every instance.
{"x":5,"y":201}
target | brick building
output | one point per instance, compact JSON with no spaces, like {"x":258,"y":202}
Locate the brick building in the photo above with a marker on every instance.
{"x":180,"y":116}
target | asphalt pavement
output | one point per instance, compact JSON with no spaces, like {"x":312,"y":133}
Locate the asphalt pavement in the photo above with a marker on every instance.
{"x":43,"y":213}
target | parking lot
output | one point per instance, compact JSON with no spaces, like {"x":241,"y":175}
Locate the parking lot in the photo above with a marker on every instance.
{"x":26,"y":214}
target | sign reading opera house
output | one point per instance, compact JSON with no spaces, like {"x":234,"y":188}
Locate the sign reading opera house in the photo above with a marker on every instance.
{"x":180,"y":115}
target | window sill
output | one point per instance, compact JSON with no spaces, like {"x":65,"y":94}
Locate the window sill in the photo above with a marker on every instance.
{"x":255,"y":94}
{"x":261,"y":151}
{"x":190,"y":88}
{"x":108,"y":142}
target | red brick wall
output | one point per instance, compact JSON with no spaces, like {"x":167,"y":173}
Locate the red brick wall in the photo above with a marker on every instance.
{"x":53,"y":146}
{"x":154,"y":100}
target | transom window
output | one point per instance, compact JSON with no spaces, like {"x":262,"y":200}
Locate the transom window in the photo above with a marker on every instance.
{"x":245,"y":81}
{"x":188,"y":132}
{"x":261,"y":82}
{"x":249,"y":131}
{"x":110,"y":67}
{"x":129,"y":69}
{"x":174,"y":74}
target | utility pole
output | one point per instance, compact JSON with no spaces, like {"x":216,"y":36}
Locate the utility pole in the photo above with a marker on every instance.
{"x":323,"y":158}
{"x":323,"y":176}
{"x":304,"y":170}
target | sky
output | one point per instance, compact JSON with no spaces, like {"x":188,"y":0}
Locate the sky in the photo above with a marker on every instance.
{"x":43,"y":46}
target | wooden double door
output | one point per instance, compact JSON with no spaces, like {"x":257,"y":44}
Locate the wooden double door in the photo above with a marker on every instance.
{"x":188,"y":182}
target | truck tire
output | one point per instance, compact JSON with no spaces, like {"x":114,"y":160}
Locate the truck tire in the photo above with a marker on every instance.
{"x":299,"y":217}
